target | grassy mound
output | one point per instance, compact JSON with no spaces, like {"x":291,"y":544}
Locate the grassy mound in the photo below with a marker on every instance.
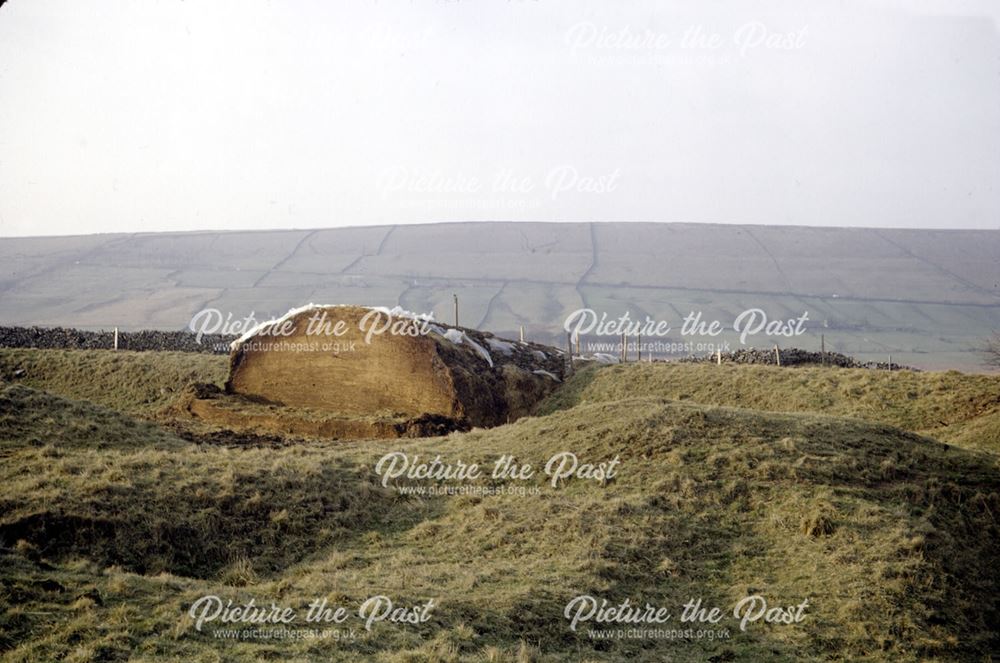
{"x":32,"y":418}
{"x":82,"y":481}
{"x":135,"y":382}
{"x":954,"y":407}
{"x":192,"y":513}
{"x":890,"y":536}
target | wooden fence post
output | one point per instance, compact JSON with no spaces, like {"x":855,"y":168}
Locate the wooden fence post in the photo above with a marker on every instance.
{"x":777,"y":355}
{"x":116,"y":338}
{"x":569,"y":349}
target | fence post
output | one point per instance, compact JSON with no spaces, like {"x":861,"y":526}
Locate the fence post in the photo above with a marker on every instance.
{"x":116,"y":339}
{"x":456,"y":308}
{"x":777,"y":355}
{"x":718,"y":356}
{"x":522,"y":333}
{"x":569,"y":348}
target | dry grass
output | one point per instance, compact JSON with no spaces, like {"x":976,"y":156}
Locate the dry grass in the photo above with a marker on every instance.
{"x":954,"y":407}
{"x":891,"y":536}
{"x":135,"y":382}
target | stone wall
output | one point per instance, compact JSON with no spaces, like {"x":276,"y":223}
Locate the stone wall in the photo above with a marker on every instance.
{"x":78,"y":339}
{"x":794,"y":357}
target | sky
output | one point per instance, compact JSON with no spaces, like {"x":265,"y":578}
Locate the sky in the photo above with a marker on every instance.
{"x":169,"y":115}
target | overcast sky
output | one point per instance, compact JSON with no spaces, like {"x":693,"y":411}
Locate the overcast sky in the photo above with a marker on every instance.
{"x":138,"y":115}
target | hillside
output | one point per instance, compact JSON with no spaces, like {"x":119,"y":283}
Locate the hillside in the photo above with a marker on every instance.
{"x":926,"y":297}
{"x":134,"y":382}
{"x":710,"y":502}
{"x":963,"y":410}
{"x":890,"y":536}
{"x":956,"y":408}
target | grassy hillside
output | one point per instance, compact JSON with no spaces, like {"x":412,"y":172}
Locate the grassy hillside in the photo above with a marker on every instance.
{"x":957,"y":408}
{"x":135,"y":382}
{"x":960,"y":409}
{"x":37,"y":419}
{"x":890,"y":536}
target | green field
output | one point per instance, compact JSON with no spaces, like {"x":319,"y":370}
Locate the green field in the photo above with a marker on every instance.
{"x":849,"y":489}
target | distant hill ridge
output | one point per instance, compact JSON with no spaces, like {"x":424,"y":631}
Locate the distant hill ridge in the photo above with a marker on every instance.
{"x":927,"y":297}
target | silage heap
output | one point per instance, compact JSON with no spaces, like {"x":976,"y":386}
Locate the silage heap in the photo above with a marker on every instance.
{"x":357,"y":372}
